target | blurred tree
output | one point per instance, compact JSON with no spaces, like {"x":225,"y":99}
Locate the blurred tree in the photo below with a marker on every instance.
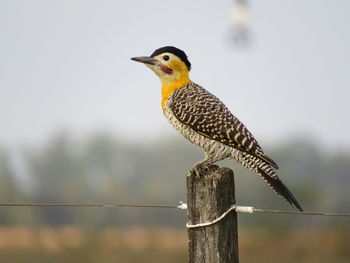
{"x":105,"y":169}
{"x":10,"y":192}
{"x":58,"y":176}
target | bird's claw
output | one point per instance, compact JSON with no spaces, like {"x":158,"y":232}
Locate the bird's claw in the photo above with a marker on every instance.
{"x":195,"y":170}
{"x":198,"y":168}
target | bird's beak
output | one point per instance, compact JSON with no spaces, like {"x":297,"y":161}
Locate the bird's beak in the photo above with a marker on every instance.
{"x":146,"y":60}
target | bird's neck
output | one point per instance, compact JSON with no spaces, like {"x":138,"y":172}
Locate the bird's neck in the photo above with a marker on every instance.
{"x":168,"y":87}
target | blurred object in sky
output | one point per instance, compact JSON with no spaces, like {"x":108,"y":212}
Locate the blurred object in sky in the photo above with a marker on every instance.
{"x":240,"y":33}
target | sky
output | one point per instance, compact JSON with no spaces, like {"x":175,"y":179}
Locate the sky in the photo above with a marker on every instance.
{"x":65,"y":65}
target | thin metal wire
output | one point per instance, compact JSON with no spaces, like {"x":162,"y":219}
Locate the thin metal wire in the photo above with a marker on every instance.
{"x":86,"y":205}
{"x":299,"y":213}
{"x":250,"y":210}
{"x":162,"y":206}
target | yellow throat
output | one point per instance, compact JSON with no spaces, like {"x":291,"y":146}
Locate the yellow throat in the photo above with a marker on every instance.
{"x":172,"y":71}
{"x":169,"y":88}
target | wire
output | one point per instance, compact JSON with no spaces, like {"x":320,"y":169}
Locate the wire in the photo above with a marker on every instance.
{"x":299,"y":213}
{"x":233,"y":207}
{"x":183,"y":206}
{"x":86,"y":205}
{"x":250,"y":210}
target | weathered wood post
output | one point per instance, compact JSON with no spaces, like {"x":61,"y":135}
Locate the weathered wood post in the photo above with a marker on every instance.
{"x":209,"y":195}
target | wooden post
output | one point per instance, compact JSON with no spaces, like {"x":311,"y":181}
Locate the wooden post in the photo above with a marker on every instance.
{"x":209,"y":195}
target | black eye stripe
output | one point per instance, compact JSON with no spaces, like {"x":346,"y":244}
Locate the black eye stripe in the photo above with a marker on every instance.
{"x":166,"y":57}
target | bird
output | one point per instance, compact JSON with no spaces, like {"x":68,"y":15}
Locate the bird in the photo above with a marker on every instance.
{"x":204,"y":120}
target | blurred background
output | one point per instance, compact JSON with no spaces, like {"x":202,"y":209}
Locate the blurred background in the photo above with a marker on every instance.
{"x":80,"y":122}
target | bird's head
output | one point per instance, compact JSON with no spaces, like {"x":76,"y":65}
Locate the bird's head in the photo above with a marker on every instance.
{"x":169,"y":63}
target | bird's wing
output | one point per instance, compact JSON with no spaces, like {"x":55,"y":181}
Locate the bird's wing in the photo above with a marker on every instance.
{"x":197,"y":108}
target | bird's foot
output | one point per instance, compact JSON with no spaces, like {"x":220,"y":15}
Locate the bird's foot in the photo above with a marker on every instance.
{"x":199,"y":167}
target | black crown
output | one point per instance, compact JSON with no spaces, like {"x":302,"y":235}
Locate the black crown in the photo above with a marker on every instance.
{"x":173,"y":50}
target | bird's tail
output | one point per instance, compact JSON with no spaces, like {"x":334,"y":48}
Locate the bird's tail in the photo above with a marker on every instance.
{"x":267,"y":172}
{"x":279,"y":187}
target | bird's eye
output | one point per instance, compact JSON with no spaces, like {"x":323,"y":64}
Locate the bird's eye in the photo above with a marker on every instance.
{"x":166,"y":57}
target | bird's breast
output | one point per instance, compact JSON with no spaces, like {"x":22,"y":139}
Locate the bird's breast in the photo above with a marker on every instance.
{"x":184,"y":129}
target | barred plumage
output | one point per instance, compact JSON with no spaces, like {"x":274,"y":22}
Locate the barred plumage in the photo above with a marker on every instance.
{"x":206,"y":114}
{"x":205,"y":121}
